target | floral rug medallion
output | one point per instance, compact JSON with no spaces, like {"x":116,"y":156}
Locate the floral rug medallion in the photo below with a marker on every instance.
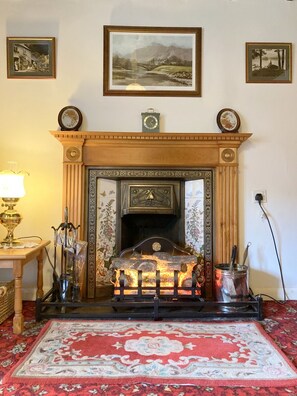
{"x":234,"y":353}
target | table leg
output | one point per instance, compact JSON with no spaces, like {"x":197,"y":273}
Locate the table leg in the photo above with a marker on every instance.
{"x":18,"y":320}
{"x":39,"y":292}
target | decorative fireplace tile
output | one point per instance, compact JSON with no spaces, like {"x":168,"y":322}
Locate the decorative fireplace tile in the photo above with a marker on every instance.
{"x":194,"y":215}
{"x":106,"y":228}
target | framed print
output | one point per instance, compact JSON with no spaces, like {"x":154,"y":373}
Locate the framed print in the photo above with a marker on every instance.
{"x":152,"y":61}
{"x":268,"y":62}
{"x":31,"y":57}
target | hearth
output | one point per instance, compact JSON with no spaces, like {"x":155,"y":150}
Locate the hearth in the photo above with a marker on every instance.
{"x":139,"y":163}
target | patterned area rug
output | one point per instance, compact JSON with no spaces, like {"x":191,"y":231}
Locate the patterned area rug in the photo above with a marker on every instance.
{"x":188,"y":353}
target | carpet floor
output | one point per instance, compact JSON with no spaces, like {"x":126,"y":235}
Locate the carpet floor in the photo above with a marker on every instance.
{"x":279,"y":325}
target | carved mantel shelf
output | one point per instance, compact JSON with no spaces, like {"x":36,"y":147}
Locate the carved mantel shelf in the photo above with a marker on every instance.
{"x":105,"y":135}
{"x":218,"y":151}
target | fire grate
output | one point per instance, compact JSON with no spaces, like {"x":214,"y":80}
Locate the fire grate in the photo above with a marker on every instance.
{"x":174,"y":291}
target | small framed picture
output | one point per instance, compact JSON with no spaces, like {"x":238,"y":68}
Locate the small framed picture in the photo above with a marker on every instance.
{"x":268,"y":62}
{"x":31,"y":57}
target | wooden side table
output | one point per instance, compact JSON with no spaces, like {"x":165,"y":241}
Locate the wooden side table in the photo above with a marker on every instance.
{"x":16,"y":259}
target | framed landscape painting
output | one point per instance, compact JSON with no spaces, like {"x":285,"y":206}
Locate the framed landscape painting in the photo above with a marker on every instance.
{"x":152,"y":61}
{"x":31,"y":57}
{"x":268,"y":62}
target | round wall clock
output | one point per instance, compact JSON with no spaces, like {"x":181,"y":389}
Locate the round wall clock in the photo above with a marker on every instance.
{"x":228,"y":120}
{"x":70,"y":118}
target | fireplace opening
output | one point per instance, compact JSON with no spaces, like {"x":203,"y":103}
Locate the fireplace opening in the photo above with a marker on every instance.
{"x":151,"y":207}
{"x":137,"y":227}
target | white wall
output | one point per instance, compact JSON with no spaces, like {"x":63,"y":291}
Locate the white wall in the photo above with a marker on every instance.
{"x":29,"y":109}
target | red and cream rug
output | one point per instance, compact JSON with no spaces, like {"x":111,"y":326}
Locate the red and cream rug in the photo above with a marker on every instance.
{"x":121,"y":352}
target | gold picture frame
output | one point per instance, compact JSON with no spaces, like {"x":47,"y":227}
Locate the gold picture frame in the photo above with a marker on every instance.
{"x":31,"y":57}
{"x":152,"y":61}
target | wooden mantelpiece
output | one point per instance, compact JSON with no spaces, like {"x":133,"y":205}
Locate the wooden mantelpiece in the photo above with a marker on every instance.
{"x":218,"y":151}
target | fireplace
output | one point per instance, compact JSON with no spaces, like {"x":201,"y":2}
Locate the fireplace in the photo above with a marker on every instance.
{"x":145,"y":161}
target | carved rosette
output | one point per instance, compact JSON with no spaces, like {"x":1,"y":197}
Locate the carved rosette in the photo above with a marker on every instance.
{"x":228,"y":155}
{"x":72,"y":154}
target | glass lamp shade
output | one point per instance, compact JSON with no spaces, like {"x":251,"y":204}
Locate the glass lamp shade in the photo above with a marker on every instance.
{"x":11,"y":185}
{"x":11,"y":189}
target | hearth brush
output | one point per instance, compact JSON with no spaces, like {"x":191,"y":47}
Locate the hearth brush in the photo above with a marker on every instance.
{"x":233,"y":258}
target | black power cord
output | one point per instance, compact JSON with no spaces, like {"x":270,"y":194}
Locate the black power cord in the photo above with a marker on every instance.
{"x":259,"y":199}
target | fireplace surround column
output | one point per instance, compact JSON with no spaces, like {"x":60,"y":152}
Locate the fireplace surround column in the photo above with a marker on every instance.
{"x":226,"y":210}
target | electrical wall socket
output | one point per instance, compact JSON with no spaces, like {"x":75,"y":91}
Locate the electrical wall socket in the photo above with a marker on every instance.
{"x":264,"y":194}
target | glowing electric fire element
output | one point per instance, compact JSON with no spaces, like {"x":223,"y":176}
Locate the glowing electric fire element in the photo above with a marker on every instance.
{"x":149,"y":265}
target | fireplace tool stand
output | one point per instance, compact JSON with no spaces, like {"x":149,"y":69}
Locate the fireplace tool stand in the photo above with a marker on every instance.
{"x":66,"y":286}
